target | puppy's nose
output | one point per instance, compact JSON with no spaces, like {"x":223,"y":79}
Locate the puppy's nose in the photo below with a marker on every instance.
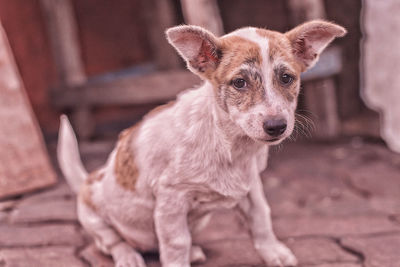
{"x":275,"y":127}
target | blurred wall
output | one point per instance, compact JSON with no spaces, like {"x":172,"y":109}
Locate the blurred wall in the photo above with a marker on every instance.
{"x":347,"y":13}
{"x":114,"y":35}
{"x":25,"y":29}
{"x":275,"y":15}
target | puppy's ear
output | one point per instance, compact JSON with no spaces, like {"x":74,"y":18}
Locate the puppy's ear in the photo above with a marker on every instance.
{"x":198,"y":47}
{"x":310,"y":39}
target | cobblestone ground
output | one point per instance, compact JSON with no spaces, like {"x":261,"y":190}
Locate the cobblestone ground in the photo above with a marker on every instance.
{"x":334,"y":205}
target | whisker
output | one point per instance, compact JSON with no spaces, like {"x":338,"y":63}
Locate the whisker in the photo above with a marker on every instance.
{"x":304,"y":125}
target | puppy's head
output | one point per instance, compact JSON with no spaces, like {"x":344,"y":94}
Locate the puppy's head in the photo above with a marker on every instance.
{"x":255,"y":72}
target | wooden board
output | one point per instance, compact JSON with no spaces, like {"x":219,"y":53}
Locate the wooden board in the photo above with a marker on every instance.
{"x":24,"y":164}
{"x":204,"y":13}
{"x":161,"y":15}
{"x":63,"y":34}
{"x":129,"y":90}
{"x":320,"y":95}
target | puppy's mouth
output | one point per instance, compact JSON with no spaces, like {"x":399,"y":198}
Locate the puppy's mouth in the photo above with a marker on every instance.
{"x":271,"y":141}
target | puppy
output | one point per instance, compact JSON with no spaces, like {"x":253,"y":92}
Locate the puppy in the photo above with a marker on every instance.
{"x":201,"y":152}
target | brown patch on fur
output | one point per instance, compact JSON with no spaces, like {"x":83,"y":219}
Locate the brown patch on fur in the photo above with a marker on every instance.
{"x":126,"y":171}
{"x":279,"y":47}
{"x":280,"y":50}
{"x":237,"y":51}
{"x":86,"y":191}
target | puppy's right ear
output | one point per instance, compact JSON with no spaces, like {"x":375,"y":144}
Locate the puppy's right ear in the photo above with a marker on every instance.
{"x":198,"y":47}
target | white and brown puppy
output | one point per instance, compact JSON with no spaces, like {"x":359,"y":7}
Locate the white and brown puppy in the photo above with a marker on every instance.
{"x":201,"y":152}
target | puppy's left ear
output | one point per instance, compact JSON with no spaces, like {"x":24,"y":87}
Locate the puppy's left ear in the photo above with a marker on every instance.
{"x":310,"y":39}
{"x":197,"y":46}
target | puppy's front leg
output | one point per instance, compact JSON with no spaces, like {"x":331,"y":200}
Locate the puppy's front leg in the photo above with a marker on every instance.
{"x":257,"y":211}
{"x":173,"y":234}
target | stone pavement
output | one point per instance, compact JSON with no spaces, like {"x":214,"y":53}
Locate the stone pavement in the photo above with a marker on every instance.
{"x":334,"y":205}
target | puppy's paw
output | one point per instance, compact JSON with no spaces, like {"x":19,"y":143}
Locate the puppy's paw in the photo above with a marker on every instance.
{"x":274,"y":253}
{"x":197,"y":255}
{"x":130,"y":260}
{"x":125,"y":256}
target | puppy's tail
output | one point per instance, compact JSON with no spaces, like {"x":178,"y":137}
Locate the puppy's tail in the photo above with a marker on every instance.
{"x":68,"y":156}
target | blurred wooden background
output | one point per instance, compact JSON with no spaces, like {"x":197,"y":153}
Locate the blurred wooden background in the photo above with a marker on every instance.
{"x":126,"y":36}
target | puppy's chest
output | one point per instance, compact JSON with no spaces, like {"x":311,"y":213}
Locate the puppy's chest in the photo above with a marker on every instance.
{"x":205,"y":201}
{"x":231,"y":179}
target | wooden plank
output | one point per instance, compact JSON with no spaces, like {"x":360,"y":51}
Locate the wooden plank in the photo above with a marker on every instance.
{"x":24,"y":164}
{"x":303,"y":10}
{"x":63,"y":33}
{"x":320,"y":95}
{"x":365,"y":123}
{"x":160,"y":16}
{"x":150,"y":88}
{"x":320,"y":99}
{"x":204,"y":13}
{"x":159,"y":86}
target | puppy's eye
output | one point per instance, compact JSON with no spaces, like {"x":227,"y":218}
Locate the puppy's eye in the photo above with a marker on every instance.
{"x":239,"y":83}
{"x":286,"y":79}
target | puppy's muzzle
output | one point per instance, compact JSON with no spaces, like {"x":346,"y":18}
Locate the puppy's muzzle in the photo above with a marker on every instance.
{"x":275,"y":127}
